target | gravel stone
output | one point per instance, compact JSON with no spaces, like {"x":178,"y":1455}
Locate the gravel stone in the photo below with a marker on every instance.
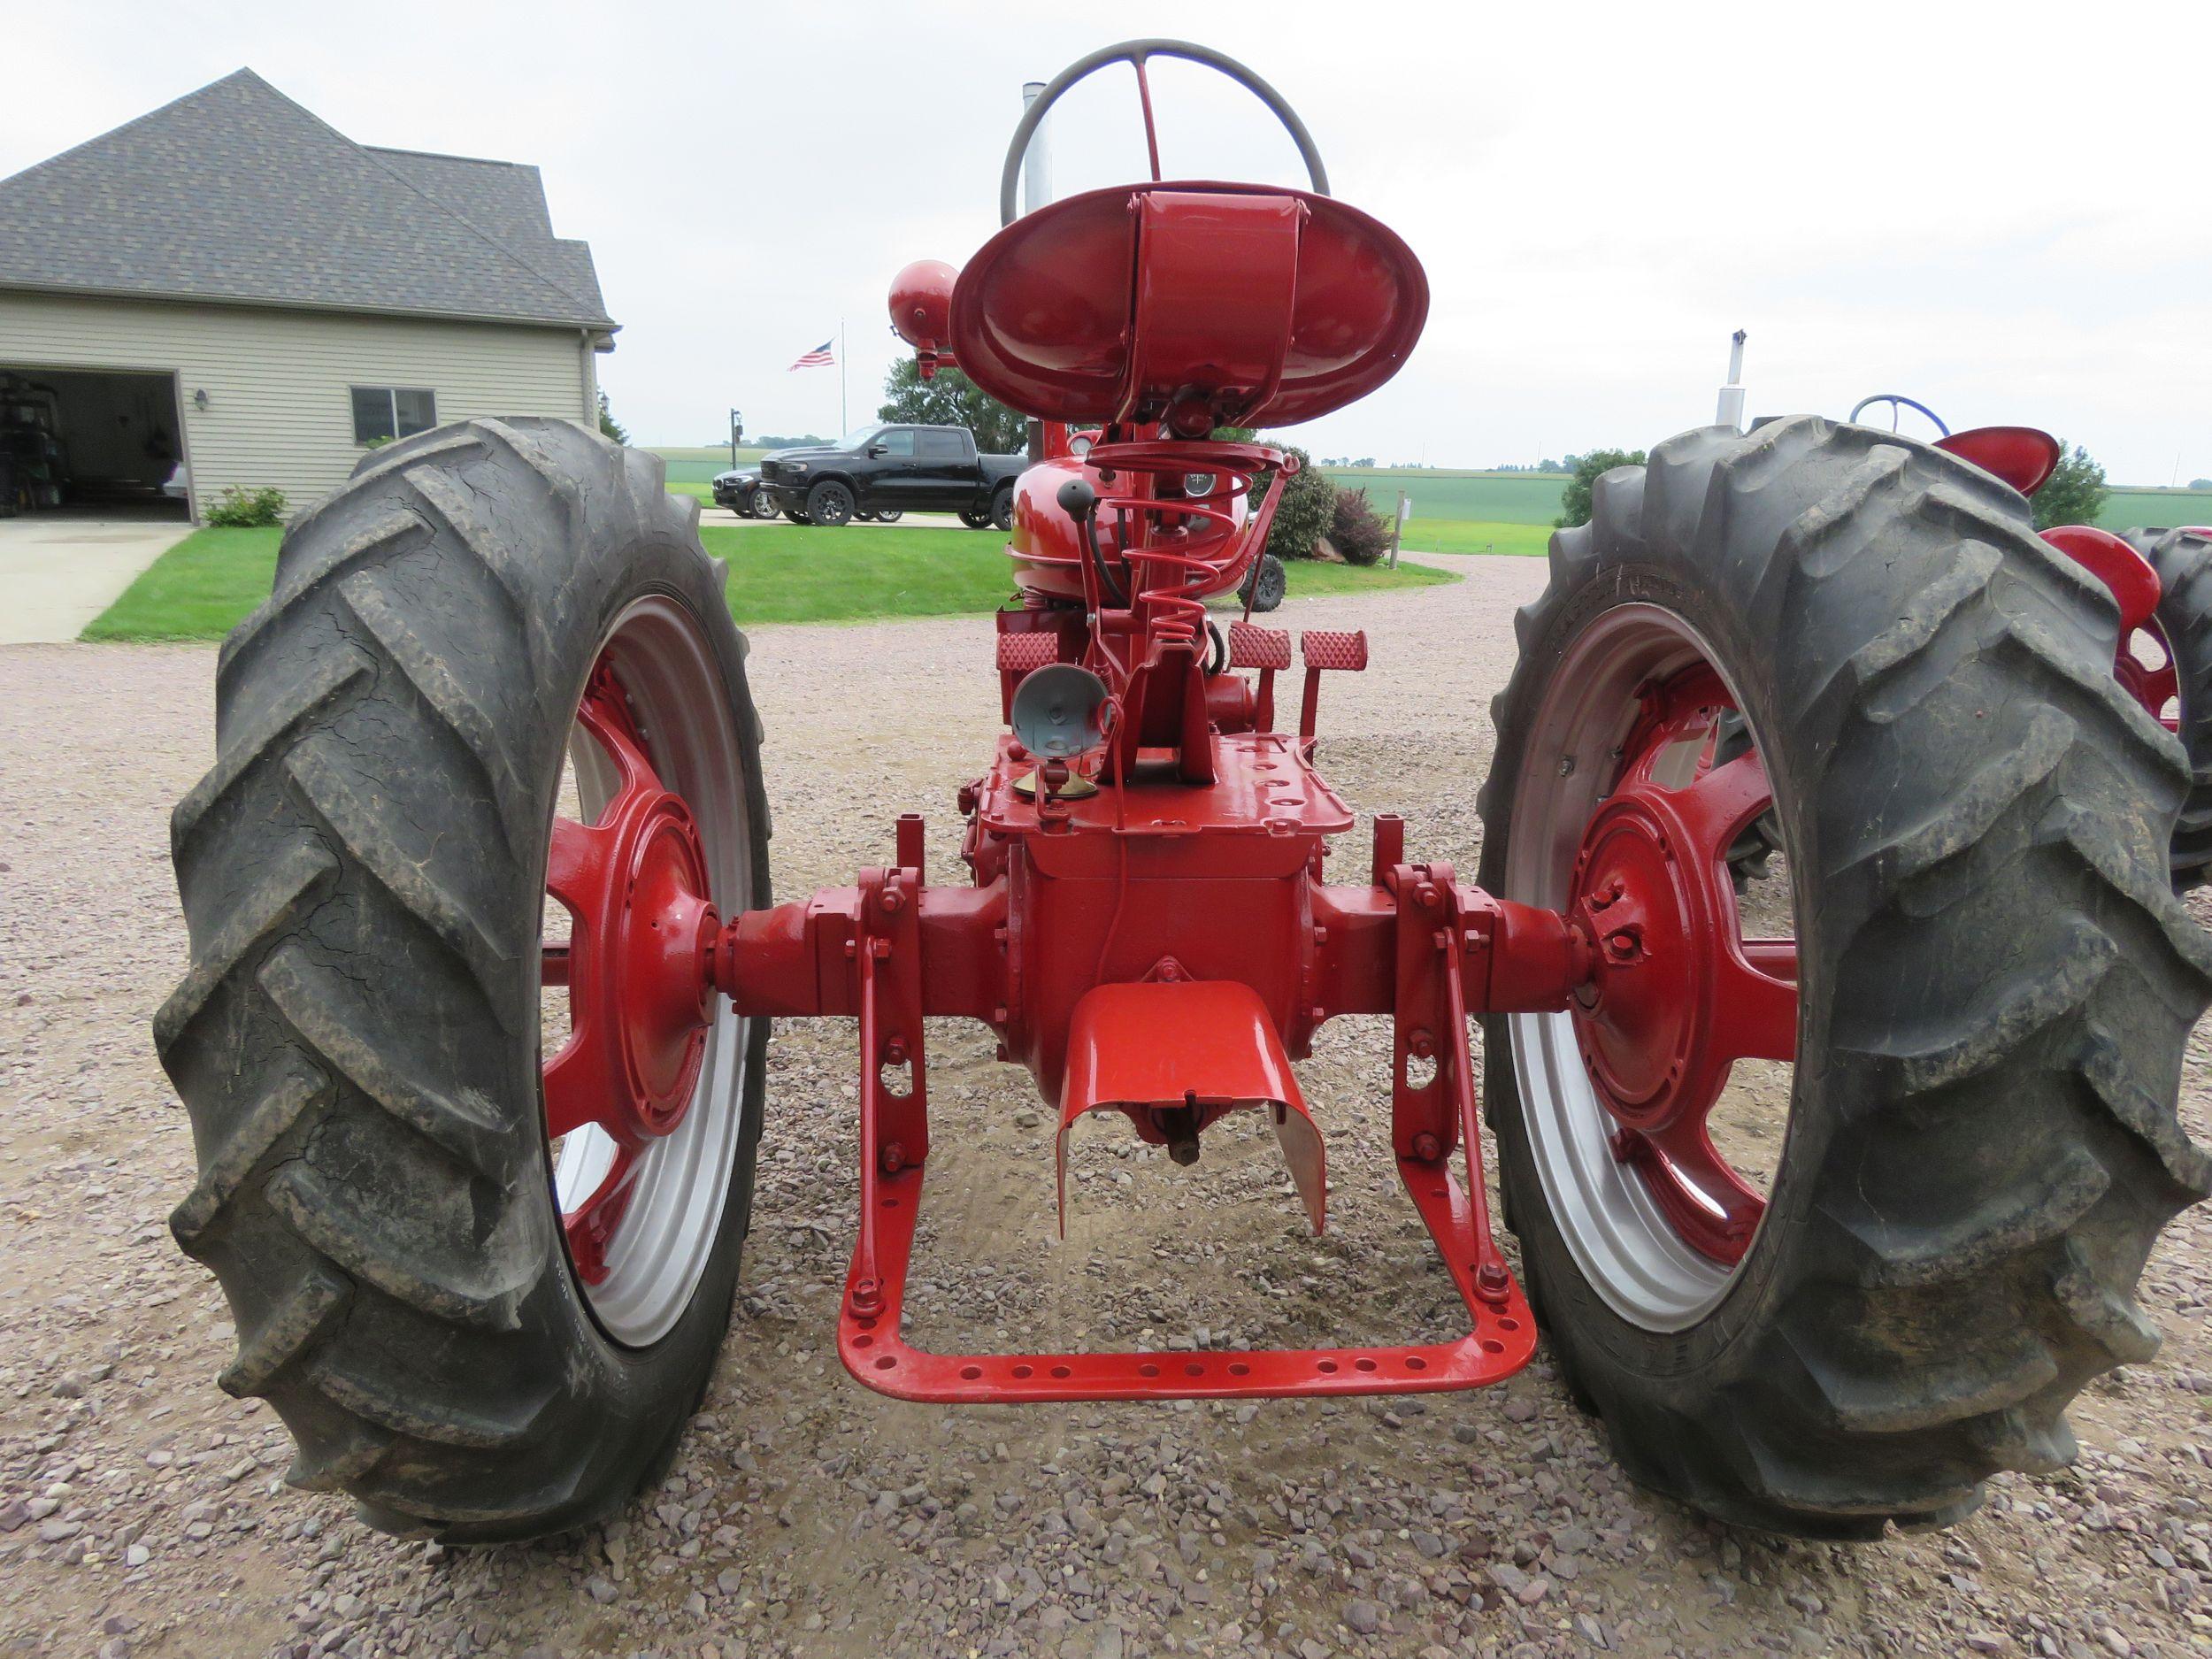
{"x":1492,"y":1524}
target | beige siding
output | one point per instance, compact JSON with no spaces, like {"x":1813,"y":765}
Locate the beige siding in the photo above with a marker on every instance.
{"x":277,"y":382}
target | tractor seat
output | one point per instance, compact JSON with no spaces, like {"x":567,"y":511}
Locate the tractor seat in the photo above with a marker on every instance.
{"x":1194,"y":304}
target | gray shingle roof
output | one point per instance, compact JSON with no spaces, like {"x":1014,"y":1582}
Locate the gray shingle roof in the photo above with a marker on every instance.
{"x":506,"y":198}
{"x":236,"y":193}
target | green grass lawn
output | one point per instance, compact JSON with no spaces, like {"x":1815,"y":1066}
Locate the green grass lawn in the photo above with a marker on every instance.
{"x":200,"y":589}
{"x":796,"y":573}
{"x":212,"y":581}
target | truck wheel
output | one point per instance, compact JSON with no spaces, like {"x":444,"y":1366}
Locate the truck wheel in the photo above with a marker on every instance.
{"x":2183,"y":559}
{"x":976,"y":518}
{"x":829,"y":502}
{"x":1992,"y":979}
{"x":762,"y":505}
{"x":796,"y":516}
{"x":1264,"y":587}
{"x":483,"y":1289}
{"x":1002,"y":508}
{"x":889,"y":515}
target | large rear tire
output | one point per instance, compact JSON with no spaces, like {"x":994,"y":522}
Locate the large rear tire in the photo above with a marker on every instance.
{"x":2183,"y":559}
{"x":1995,"y":982}
{"x":365,"y":873}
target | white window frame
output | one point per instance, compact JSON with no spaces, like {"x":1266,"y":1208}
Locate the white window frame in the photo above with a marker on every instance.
{"x":391,"y":402}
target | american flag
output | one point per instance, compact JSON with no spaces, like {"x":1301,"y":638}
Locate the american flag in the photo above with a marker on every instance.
{"x":820,"y":358}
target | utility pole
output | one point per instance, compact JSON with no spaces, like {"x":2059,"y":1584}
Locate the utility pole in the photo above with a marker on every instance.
{"x":1731,"y":411}
{"x":737,"y":431}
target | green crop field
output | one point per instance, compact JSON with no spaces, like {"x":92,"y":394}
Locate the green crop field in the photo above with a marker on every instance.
{"x":699,"y":465}
{"x":1462,"y":535}
{"x":1485,"y":497}
{"x":2126,"y":509}
{"x":1491,"y":499}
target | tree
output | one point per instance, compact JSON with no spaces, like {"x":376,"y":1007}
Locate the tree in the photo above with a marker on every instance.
{"x":2075,"y":493}
{"x":950,"y":398}
{"x":609,"y":427}
{"x":2201,"y":483}
{"x":1574,"y":501}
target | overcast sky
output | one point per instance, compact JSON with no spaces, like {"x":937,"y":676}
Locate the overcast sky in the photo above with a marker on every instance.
{"x":1930,"y":198}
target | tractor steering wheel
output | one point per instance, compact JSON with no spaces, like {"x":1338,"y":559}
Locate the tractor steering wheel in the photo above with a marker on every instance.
{"x":1135,"y":53}
{"x":1897,"y":407}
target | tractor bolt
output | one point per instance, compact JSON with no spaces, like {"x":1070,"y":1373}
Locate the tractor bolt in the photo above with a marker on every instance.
{"x":1428,"y":1148}
{"x":1427,"y":896}
{"x":1566,"y":765}
{"x":867,"y":1299}
{"x":892,"y":898}
{"x":1491,"y":1282}
{"x":1421,"y":1046}
{"x":893,"y":1158}
{"x":895,"y":1051}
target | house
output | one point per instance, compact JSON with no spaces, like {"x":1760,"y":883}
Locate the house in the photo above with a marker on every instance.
{"x":231,"y":282}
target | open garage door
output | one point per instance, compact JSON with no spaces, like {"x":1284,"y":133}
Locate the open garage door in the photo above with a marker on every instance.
{"x":102,"y":442}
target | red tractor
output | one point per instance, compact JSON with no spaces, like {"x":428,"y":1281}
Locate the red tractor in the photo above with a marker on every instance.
{"x":481,"y":1256}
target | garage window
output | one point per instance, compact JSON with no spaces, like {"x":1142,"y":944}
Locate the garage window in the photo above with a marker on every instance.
{"x":381,"y":413}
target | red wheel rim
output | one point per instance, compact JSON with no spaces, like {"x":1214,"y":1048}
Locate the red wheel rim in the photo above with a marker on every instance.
{"x":1681,"y":996}
{"x":2153,"y":683}
{"x":634,"y":883}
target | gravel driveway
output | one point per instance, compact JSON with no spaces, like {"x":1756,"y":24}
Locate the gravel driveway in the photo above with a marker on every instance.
{"x":142,"y":1511}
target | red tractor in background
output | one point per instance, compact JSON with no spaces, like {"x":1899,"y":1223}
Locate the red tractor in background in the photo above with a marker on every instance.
{"x":481,"y":1242}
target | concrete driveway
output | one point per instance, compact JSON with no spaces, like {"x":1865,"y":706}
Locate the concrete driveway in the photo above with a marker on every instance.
{"x":58,"y":571}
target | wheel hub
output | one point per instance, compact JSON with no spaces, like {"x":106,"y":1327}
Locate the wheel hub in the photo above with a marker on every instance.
{"x":1639,"y":1015}
{"x":659,"y":935}
{"x":637,"y":965}
{"x":1677,"y":998}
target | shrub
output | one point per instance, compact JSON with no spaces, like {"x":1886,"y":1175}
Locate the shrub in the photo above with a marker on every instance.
{"x":247,"y":509}
{"x":1356,"y":530}
{"x":1574,"y":501}
{"x":1302,"y":519}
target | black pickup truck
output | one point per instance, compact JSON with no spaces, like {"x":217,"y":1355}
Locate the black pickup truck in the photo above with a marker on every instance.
{"x":889,"y":469}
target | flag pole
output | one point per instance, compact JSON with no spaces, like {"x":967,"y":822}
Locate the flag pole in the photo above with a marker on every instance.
{"x":843,"y":424}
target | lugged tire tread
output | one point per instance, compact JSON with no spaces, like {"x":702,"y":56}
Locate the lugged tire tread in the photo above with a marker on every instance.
{"x":295,"y":1325}
{"x":1880,"y":1393}
{"x":467,"y":1131}
{"x":2183,"y":559}
{"x":383,"y":1317}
